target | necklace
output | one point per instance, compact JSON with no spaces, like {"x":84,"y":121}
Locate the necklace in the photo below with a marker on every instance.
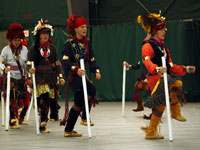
{"x":15,"y":56}
{"x":45,"y":53}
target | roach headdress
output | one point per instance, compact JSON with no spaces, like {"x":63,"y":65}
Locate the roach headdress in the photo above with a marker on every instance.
{"x":151,"y":22}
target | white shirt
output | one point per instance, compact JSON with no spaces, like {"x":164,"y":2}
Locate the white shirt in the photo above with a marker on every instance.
{"x":7,"y":58}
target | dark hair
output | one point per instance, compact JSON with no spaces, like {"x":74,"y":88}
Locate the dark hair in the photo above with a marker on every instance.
{"x":37,"y":45}
{"x":37,"y":49}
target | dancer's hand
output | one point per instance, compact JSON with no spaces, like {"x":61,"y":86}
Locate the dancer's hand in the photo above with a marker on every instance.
{"x":62,"y":81}
{"x":32,"y":70}
{"x":162,"y":69}
{"x":81,"y":72}
{"x":127,"y":65}
{"x":191,"y":69}
{"x":97,"y":76}
{"x":7,"y":69}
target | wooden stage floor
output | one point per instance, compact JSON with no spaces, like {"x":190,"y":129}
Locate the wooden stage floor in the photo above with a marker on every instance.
{"x":111,"y":131}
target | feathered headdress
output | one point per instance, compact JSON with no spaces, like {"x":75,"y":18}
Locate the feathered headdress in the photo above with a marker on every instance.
{"x":42,"y":25}
{"x":15,"y":31}
{"x":151,"y":22}
{"x":75,"y":21}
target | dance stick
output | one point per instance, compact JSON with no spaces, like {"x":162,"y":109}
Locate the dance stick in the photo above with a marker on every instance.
{"x":167,"y":101}
{"x":86,"y":98}
{"x":2,"y":110}
{"x":123,"y":88}
{"x":7,"y":101}
{"x":29,"y":109}
{"x":35,"y":101}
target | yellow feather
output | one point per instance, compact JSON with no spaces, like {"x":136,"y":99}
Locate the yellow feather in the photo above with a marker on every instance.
{"x":146,"y":26}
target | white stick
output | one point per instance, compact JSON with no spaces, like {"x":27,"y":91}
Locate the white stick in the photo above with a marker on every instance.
{"x":29,"y":109}
{"x":7,"y":102}
{"x":123,"y":89}
{"x":2,"y":110}
{"x":167,"y":101}
{"x":86,"y":98}
{"x":35,"y":102}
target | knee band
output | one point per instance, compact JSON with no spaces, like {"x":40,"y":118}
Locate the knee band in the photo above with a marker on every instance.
{"x":76,"y":108}
{"x":158,"y":111}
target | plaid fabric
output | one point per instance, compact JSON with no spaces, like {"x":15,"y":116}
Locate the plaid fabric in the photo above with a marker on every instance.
{"x":158,"y":97}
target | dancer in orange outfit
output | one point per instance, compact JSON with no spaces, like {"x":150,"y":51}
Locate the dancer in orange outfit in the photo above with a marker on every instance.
{"x":152,"y":51}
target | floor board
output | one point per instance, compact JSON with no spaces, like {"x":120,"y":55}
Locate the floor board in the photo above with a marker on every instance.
{"x":111,"y":131}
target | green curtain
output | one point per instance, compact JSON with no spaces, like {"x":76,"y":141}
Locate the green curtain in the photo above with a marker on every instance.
{"x":28,"y":12}
{"x":120,"y":11}
{"x":113,"y":44}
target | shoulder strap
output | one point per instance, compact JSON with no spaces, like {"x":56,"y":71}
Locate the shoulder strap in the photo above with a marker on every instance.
{"x":20,"y":68}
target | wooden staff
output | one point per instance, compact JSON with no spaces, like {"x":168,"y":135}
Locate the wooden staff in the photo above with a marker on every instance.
{"x":7,"y":101}
{"x":167,"y":101}
{"x":85,"y":98}
{"x":29,"y":109}
{"x":2,"y":110}
{"x":35,"y":101}
{"x":123,"y":88}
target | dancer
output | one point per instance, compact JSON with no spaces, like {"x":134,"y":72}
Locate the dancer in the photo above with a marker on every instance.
{"x":140,"y":85}
{"x":75,"y":48}
{"x":13,"y":58}
{"x":44,"y":55}
{"x":152,"y":51}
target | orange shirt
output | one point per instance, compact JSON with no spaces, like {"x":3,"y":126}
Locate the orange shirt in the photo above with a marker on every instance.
{"x":148,"y":52}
